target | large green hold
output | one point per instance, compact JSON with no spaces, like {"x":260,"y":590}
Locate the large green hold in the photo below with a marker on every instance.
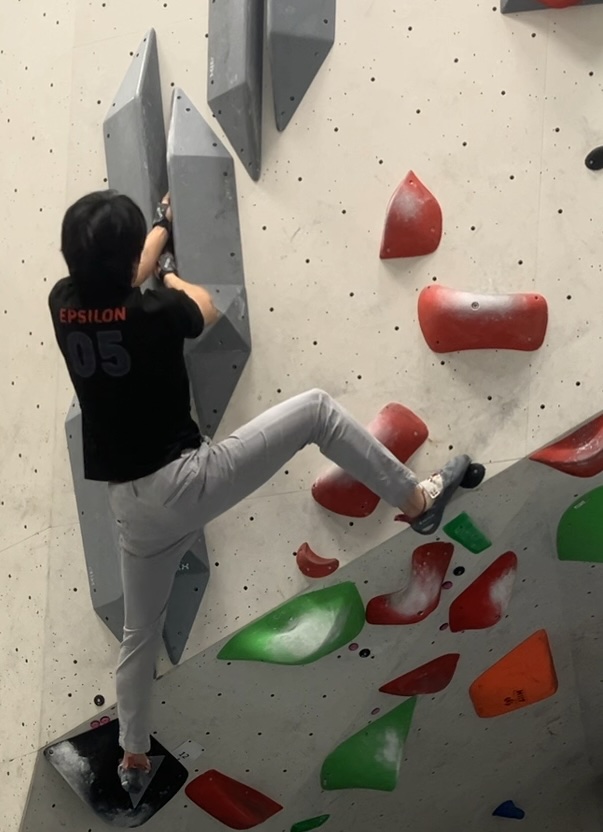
{"x":463,"y":530}
{"x":580,"y":530}
{"x":307,"y":825}
{"x":371,"y":759}
{"x":302,"y":630}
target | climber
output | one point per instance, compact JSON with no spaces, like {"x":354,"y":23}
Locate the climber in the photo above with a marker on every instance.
{"x":124,"y":352}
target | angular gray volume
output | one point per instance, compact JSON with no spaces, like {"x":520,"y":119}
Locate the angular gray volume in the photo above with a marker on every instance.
{"x":135,"y":133}
{"x":207,"y":240}
{"x":512,"y":6}
{"x":234,"y":85}
{"x":300,"y":36}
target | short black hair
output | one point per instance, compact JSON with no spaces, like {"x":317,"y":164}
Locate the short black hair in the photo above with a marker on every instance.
{"x":102,"y":239}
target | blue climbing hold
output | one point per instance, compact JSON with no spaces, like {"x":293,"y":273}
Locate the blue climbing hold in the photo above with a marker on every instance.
{"x":509,"y":810}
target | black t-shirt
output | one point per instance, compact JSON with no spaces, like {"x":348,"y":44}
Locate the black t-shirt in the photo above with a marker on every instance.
{"x":125,"y":358}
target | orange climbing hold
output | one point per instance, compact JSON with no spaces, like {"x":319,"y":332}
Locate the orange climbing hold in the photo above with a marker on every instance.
{"x":413,"y":226}
{"x":485,"y":601}
{"x":312,"y":565}
{"x":580,"y":454}
{"x":402,"y":432}
{"x":523,"y":677}
{"x":230,"y":802}
{"x":429,"y":678}
{"x":452,"y":321}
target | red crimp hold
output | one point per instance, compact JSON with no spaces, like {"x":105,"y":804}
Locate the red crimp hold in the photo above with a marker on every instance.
{"x":560,"y":4}
{"x":580,"y":454}
{"x":413,"y":226}
{"x":230,"y":802}
{"x":485,"y":602}
{"x":402,"y":432}
{"x":452,"y":320}
{"x":312,"y":565}
{"x":432,"y":677}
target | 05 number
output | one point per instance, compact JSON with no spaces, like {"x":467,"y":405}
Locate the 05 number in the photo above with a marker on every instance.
{"x":86,"y":353}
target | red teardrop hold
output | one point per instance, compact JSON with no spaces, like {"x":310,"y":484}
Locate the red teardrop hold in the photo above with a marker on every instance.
{"x":312,"y":565}
{"x":560,"y":4}
{"x":452,"y":320}
{"x":413,"y":226}
{"x":580,"y":454}
{"x":429,"y":678}
{"x":230,"y":802}
{"x":402,"y":432}
{"x":421,"y":596}
{"x":485,"y":602}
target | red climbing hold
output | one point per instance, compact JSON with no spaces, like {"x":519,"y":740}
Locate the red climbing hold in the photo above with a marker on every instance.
{"x":429,"y":678}
{"x":560,"y":4}
{"x":452,"y":320}
{"x":580,"y":454}
{"x":230,"y":802}
{"x":485,"y":602}
{"x":312,"y":565}
{"x":402,"y":432}
{"x":413,"y":226}
{"x":420,"y":598}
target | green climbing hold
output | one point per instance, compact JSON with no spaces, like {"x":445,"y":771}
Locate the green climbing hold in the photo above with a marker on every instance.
{"x":464,"y":531}
{"x":371,"y":759}
{"x":302,"y":630}
{"x":313,"y":823}
{"x":580,"y":530}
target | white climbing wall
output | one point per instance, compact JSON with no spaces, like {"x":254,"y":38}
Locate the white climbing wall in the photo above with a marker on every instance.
{"x":495,"y":115}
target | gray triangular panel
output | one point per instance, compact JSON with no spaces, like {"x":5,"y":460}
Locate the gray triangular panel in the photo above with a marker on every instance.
{"x":214,"y":377}
{"x":189,"y":588}
{"x":512,"y":6}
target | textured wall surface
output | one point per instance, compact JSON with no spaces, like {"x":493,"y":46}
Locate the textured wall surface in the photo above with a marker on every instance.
{"x":495,"y":114}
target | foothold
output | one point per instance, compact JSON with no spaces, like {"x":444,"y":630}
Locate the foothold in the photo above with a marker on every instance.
{"x":421,"y":597}
{"x":447,"y":585}
{"x":486,"y":600}
{"x":580,"y":454}
{"x":432,"y":677}
{"x":371,"y":759}
{"x":523,"y":677}
{"x":307,"y":825}
{"x":232,"y":803}
{"x":312,"y":565}
{"x":413,"y":226}
{"x":444,"y":626}
{"x":594,"y":160}
{"x":453,"y":321}
{"x":402,"y":432}
{"x":99,"y":701}
{"x":364,"y":654}
{"x":512,"y":6}
{"x":474,"y":475}
{"x":460,"y":570}
{"x":299,"y":39}
{"x":580,"y":530}
{"x":509,"y":810}
{"x":464,"y":531}
{"x":302,"y":630}
{"x":353,"y":647}
{"x":375,"y":711}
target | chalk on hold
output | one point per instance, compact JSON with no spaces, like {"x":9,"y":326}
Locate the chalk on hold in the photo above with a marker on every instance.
{"x":453,"y":321}
{"x":580,"y":454}
{"x":402,"y":432}
{"x":486,"y":600}
{"x":464,"y":531}
{"x":523,"y":677}
{"x":580,"y":530}
{"x":232,"y":803}
{"x":302,"y":630}
{"x":312,"y":823}
{"x":413,"y":226}
{"x":421,"y":596}
{"x":509,"y":810}
{"x":312,"y":565}
{"x":371,"y":759}
{"x":432,"y":677}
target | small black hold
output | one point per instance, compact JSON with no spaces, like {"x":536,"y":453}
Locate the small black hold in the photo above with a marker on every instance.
{"x":364,"y":654}
{"x":594,"y":160}
{"x":474,"y":475}
{"x":460,"y":570}
{"x":99,"y":701}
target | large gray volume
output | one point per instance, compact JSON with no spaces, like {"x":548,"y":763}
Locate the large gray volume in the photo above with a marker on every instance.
{"x":207,"y":239}
{"x":234,"y":78}
{"x":512,"y":6}
{"x":300,"y":36}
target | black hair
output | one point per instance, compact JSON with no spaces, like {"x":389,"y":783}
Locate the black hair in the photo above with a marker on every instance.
{"x":102,"y":239}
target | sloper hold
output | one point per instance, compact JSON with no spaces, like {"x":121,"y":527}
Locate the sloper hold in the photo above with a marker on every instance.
{"x":523,"y":677}
{"x":232,"y":803}
{"x":486,"y":600}
{"x":302,"y":630}
{"x":371,"y":759}
{"x":312,"y":565}
{"x":432,"y":677}
{"x":464,"y":531}
{"x":509,"y":810}
{"x":512,"y":6}
{"x":300,"y":36}
{"x":134,"y":132}
{"x":580,"y":530}
{"x":594,"y":160}
{"x":421,"y":597}
{"x":452,"y":321}
{"x":235,"y":84}
{"x":413,"y":225}
{"x":312,"y":823}
{"x":402,"y":432}
{"x":580,"y":454}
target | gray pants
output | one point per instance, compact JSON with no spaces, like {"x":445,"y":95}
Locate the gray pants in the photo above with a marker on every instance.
{"x":161,"y":516}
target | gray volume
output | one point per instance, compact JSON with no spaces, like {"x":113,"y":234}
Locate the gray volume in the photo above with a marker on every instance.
{"x":512,"y":6}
